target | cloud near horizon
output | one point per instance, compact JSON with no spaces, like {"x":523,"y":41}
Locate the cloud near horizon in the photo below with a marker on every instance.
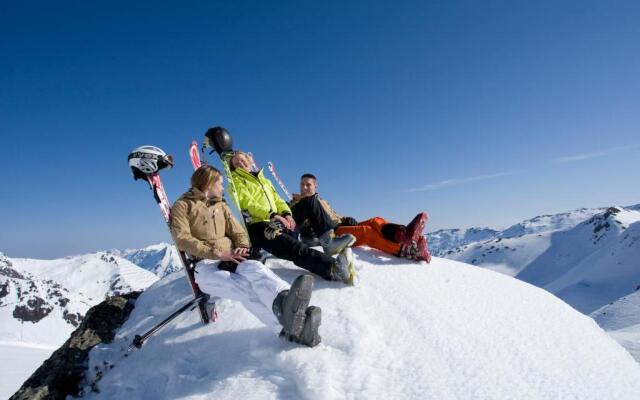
{"x":572,"y":158}
{"x":595,"y":154}
{"x":462,"y":181}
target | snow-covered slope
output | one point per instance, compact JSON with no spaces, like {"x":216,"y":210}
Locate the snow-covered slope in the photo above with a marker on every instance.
{"x":592,"y":264}
{"x":444,"y":240}
{"x":36,"y":310}
{"x":43,"y":301}
{"x":17,"y":363}
{"x":437,"y":331}
{"x":587,"y":257}
{"x":622,"y":320}
{"x":94,"y":275}
{"x":162,"y":259}
{"x":510,"y":250}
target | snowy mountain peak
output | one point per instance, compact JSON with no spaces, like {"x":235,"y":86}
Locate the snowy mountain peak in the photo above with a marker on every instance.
{"x":407,"y":321}
{"x":549,"y":223}
{"x":443,"y":240}
{"x":52,"y":296}
{"x":161,"y":259}
{"x":49,"y":309}
{"x":614,"y":219}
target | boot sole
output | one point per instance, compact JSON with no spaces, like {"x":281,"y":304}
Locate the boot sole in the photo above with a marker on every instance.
{"x":302,"y":298}
{"x":426,"y":256}
{"x":337,"y":250}
{"x":351,"y":279}
{"x":418,"y":231}
{"x":310,"y":336}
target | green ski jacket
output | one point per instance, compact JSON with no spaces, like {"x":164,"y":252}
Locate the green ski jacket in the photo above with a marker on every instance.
{"x":257,"y":196}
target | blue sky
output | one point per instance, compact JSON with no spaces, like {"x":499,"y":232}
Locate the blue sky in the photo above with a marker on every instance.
{"x":482,"y":113}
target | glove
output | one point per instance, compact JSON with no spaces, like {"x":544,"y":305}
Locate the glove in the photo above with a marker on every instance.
{"x":273,"y":230}
{"x":348,"y":221}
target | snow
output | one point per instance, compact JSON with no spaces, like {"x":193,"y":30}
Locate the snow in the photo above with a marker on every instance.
{"x":621,"y":319}
{"x":410,"y":330}
{"x":442,"y":241}
{"x":162,"y":259}
{"x":17,"y":362}
{"x":593,"y":264}
{"x":586,"y":257}
{"x":92,"y":275}
{"x":65,"y":289}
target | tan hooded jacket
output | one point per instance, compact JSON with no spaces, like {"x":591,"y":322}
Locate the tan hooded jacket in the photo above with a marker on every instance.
{"x":205,"y":228}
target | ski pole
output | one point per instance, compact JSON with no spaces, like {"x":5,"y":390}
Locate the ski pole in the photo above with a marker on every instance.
{"x":139,"y":340}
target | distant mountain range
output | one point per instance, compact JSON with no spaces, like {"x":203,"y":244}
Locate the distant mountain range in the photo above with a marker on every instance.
{"x":590,"y":258}
{"x":162,"y":259}
{"x":587,"y":257}
{"x":42,"y":301}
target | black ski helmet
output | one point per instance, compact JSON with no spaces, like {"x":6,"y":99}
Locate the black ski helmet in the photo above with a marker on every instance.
{"x":219,"y":138}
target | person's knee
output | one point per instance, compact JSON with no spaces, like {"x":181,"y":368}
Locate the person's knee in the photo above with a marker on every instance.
{"x":211,"y":277}
{"x":252,"y":266}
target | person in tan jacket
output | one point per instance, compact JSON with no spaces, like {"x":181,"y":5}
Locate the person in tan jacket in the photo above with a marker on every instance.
{"x":202,"y":226}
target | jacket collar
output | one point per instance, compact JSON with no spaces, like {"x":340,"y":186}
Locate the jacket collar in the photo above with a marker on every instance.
{"x":198,"y":195}
{"x":246,"y":174}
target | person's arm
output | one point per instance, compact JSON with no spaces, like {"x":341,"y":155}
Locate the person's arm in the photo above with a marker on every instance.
{"x":234,"y":230}
{"x":181,"y":231}
{"x":281,"y":205}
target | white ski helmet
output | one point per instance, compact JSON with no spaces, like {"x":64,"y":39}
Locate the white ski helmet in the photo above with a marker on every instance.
{"x":146,"y":160}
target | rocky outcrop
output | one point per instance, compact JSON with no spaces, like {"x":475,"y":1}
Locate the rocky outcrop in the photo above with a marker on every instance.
{"x":62,"y":374}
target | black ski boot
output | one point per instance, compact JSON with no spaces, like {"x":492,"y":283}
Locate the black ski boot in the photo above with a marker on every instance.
{"x":310,"y":336}
{"x":290,"y":305}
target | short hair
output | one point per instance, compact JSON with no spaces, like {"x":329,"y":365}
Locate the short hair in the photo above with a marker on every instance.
{"x":308,"y":175}
{"x":204,"y":177}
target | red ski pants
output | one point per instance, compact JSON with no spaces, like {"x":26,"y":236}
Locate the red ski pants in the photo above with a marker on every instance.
{"x":369,"y":233}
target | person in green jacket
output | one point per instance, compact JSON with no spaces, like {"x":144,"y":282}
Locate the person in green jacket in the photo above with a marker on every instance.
{"x":271,"y":226}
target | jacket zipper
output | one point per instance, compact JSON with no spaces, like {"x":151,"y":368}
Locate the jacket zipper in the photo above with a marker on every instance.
{"x":265,"y":193}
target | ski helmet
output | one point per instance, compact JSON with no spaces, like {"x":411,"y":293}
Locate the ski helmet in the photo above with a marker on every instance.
{"x":218,"y":138}
{"x":146,"y":160}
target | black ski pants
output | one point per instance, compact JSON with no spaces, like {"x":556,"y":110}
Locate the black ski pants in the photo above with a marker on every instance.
{"x":288,"y":247}
{"x":309,"y":209}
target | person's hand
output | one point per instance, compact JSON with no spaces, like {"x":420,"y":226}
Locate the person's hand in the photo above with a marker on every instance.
{"x":291,"y":221}
{"x":233,"y":256}
{"x":286,"y":222}
{"x":242,"y":252}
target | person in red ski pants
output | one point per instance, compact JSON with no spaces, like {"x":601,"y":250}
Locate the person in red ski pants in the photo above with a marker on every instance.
{"x":400,"y":240}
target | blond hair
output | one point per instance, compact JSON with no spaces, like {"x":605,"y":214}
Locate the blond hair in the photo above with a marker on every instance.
{"x":237,"y":154}
{"x":204,"y":177}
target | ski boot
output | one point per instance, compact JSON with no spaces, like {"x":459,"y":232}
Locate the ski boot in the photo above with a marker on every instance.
{"x":332,"y":244}
{"x":423,"y":250}
{"x":343,"y":268}
{"x":290,"y":305}
{"x":416,"y":251}
{"x":310,"y":336}
{"x":412,"y":232}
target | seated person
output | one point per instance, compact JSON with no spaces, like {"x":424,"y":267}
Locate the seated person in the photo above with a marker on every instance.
{"x":271,"y":225}
{"x":203,"y":226}
{"x":399,"y":240}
